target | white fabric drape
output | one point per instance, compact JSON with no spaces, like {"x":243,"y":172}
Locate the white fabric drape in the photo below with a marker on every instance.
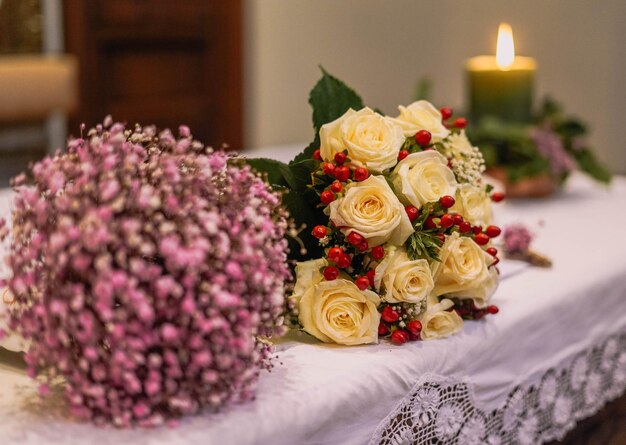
{"x":325,"y":394}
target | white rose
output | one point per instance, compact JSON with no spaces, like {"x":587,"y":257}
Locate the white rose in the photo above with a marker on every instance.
{"x":464,"y":271}
{"x":337,"y":311}
{"x":421,"y":115}
{"x":423,"y":177}
{"x":308,"y":272}
{"x":474,"y":204}
{"x":372,"y":140}
{"x":438,"y":322}
{"x":371,"y":209}
{"x":403,"y":280}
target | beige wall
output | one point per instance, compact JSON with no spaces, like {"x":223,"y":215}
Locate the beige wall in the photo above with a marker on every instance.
{"x":382,"y":47}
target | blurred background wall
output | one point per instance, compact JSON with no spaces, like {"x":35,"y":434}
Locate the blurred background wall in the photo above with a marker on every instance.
{"x":382,"y":48}
{"x":239,"y":71}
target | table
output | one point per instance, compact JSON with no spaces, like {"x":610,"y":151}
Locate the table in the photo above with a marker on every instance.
{"x":555,"y":353}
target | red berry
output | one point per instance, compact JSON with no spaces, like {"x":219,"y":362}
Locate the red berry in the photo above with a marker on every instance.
{"x":378,"y":252}
{"x":342,"y":173}
{"x":423,"y":137}
{"x":370,"y":276}
{"x":327,"y":197}
{"x":493,"y":231}
{"x":430,"y":223}
{"x":497,"y":196}
{"x":336,"y":186}
{"x":412,"y":212}
{"x":361,"y":174}
{"x":319,"y":231}
{"x":363,"y":246}
{"x":334,"y":253}
{"x":317,"y":154}
{"x":399,"y":336}
{"x":447,"y":220}
{"x":496,"y":260}
{"x":446,"y":201}
{"x":415,"y":327}
{"x":460,"y":122}
{"x":481,"y":239}
{"x":493,"y":309}
{"x":331,"y":273}
{"x":389,"y":314}
{"x":328,"y":168}
{"x":446,"y":113}
{"x":465,"y":227}
{"x":382,"y":329}
{"x":340,"y":158}
{"x":355,"y":238}
{"x":402,"y":154}
{"x":362,"y":283}
{"x":441,"y":237}
{"x":477,"y":229}
{"x":492,"y":251}
{"x":458,"y":219}
{"x":344,"y":261}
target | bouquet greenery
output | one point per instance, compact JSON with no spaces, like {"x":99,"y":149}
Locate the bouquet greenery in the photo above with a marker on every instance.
{"x":553,"y":145}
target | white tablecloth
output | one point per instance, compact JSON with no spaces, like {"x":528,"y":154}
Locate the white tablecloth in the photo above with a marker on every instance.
{"x":555,"y":353}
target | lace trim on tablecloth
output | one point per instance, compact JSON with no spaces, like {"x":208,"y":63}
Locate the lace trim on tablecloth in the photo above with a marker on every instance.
{"x":440,"y":410}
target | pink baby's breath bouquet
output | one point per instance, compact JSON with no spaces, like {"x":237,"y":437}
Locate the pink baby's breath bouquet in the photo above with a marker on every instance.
{"x":146,"y":269}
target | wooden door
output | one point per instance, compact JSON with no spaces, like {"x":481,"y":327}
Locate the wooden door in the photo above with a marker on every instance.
{"x":163,"y":62}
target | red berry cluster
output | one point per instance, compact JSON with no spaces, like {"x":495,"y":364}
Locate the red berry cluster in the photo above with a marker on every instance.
{"x":443,"y":223}
{"x":459,"y":123}
{"x":337,"y":174}
{"x":397,"y":322}
{"x":467,"y":310}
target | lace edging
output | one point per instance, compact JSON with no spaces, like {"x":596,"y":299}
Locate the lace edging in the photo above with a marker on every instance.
{"x":442,"y":410}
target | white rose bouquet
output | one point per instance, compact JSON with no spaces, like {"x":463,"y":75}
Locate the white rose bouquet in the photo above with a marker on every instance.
{"x":400,"y":222}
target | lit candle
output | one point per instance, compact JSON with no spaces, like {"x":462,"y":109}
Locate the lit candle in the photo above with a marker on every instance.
{"x":501,"y":86}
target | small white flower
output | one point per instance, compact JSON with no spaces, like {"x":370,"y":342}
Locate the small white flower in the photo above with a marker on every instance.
{"x":425,"y":404}
{"x":578,"y":373}
{"x":548,"y":391}
{"x":593,"y":390}
{"x":449,"y":420}
{"x":527,"y":432}
{"x":562,"y":410}
{"x":473,"y":432}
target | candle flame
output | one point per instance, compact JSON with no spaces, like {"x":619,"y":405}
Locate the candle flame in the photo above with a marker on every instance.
{"x":505,"y":50}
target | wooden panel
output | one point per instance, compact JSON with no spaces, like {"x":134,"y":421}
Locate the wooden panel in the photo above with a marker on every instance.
{"x":194,"y":13}
{"x":173,"y":71}
{"x":160,"y":61}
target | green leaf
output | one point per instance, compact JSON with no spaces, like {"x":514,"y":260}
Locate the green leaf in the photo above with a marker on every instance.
{"x":275,"y":170}
{"x":298,"y":174}
{"x":590,"y":165}
{"x":330,"y":99}
{"x":423,"y":245}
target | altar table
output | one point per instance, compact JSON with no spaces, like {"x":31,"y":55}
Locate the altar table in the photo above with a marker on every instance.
{"x":556,"y":353}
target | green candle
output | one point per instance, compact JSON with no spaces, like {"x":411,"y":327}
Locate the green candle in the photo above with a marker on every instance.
{"x":501,"y":85}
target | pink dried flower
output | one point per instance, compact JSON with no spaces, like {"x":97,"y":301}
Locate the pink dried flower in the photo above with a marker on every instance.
{"x":517,"y":238}
{"x":145,"y":267}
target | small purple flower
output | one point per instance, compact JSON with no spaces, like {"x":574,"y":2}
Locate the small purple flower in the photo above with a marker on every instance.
{"x":517,"y":238}
{"x":550,"y":145}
